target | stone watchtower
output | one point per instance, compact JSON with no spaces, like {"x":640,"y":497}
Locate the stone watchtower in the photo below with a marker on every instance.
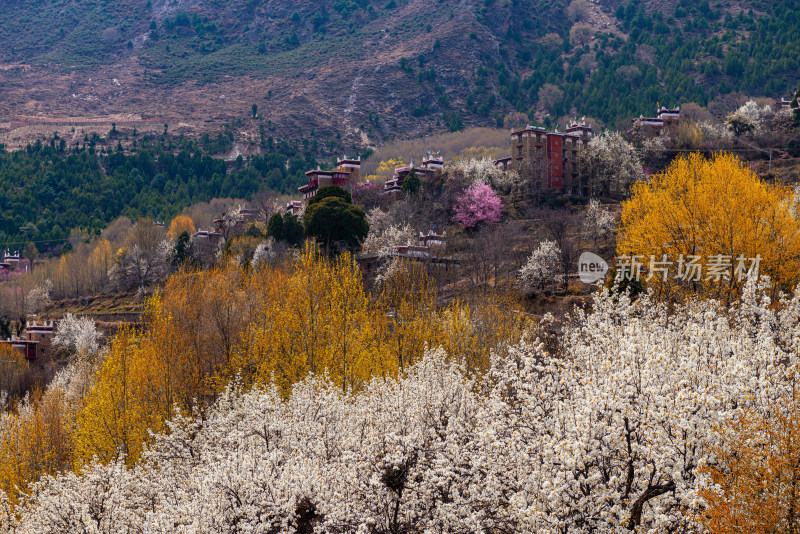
{"x":552,"y":157}
{"x":346,"y":175}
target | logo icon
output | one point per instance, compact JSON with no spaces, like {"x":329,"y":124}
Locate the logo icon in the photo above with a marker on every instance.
{"x":591,"y":268}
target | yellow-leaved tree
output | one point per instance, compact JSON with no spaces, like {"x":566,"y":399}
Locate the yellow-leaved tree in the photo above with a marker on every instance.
{"x":467,"y":332}
{"x":12,"y":368}
{"x":180,"y":224}
{"x":316,"y":319}
{"x":385,"y":170}
{"x":191,"y":330}
{"x":101,"y":261}
{"x":34,"y":441}
{"x":129,"y":397}
{"x":755,"y":475}
{"x":409,"y":300}
{"x":699,"y":227}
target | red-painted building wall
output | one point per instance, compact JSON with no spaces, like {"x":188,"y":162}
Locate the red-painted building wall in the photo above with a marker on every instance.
{"x":29,"y":348}
{"x":555,"y":160}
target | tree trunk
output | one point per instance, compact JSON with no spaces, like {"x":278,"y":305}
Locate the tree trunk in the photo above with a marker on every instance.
{"x":638,"y":506}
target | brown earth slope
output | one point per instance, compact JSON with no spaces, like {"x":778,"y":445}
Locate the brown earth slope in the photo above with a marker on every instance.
{"x":331,"y":87}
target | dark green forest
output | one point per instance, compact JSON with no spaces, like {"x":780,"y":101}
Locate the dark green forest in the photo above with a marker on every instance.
{"x":693,"y":54}
{"x":47,"y":189}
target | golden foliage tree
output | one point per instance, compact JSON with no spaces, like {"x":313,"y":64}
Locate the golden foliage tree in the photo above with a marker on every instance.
{"x":385,"y":170}
{"x":317,"y":319}
{"x":35,"y":441}
{"x":191,"y":331}
{"x":471,"y":332}
{"x":409,"y":300}
{"x":756,"y":477}
{"x":12,"y":367}
{"x":101,"y":260}
{"x":717,"y":213}
{"x":688,"y":135}
{"x":130,"y":396}
{"x":180,"y":224}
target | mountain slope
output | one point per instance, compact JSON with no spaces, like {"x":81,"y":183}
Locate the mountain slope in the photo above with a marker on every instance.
{"x":366,"y":71}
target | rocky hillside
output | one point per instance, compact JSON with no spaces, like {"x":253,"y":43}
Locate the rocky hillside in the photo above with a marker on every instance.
{"x":364,"y":71}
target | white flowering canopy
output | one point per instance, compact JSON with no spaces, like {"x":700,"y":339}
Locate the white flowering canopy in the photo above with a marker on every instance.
{"x":486,"y":172}
{"x":541,"y":266}
{"x":602,"y":433}
{"x":597,"y":220}
{"x":616,"y":162}
{"x":78,"y":334}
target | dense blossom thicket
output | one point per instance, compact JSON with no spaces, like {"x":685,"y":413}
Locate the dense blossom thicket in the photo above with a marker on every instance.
{"x":476,"y":205}
{"x":383,"y":236}
{"x":275,"y":322}
{"x":597,"y":222}
{"x":77,"y":334}
{"x":606,"y":430}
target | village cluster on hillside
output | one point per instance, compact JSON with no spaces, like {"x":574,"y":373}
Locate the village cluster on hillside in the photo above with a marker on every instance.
{"x":540,"y":167}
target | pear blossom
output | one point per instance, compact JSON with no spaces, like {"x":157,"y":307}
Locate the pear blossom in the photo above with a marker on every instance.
{"x":600,"y":428}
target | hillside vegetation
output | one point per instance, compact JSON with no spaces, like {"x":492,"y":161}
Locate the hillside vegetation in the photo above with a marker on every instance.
{"x":47,"y":190}
{"x":342,"y":418}
{"x":288,"y":390}
{"x":387,"y":68}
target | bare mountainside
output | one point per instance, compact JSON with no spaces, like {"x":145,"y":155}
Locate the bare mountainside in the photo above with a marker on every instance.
{"x":341,"y":83}
{"x":367,"y":71}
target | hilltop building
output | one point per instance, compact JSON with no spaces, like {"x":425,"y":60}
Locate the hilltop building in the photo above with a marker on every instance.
{"x":12,"y":264}
{"x":783,"y":103}
{"x":554,"y":156}
{"x":28,"y":348}
{"x":295,"y":207}
{"x":207,"y":242}
{"x":431,"y":164}
{"x":430,"y":251}
{"x":35,"y":339}
{"x":652,"y":126}
{"x":242,"y":219}
{"x":36,"y":331}
{"x":346,"y":175}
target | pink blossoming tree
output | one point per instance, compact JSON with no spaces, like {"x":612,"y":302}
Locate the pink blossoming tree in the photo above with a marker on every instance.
{"x":477,"y":204}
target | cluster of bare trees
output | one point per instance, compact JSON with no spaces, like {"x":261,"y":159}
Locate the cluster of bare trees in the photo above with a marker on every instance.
{"x":494,"y":257}
{"x":563,"y":235}
{"x":125,"y":256}
{"x":143,"y":259}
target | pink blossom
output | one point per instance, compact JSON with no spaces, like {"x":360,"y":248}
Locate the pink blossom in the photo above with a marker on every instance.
{"x":478,"y":203}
